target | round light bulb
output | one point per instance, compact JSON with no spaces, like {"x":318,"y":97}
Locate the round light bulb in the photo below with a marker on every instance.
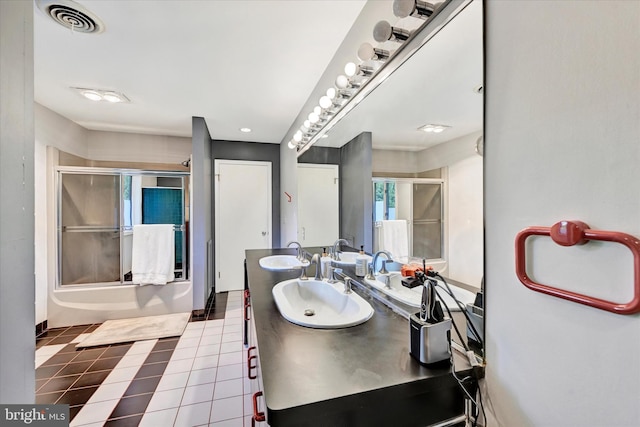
{"x":331,"y":92}
{"x":297,"y":137}
{"x":292,"y":144}
{"x":325,"y":102}
{"x":303,"y":128}
{"x":342,"y":82}
{"x":317,"y":110}
{"x":350,"y":69}
{"x":365,"y":52}
{"x":314,"y":118}
{"x":307,"y":124}
{"x":382,"y":31}
{"x":92,"y":95}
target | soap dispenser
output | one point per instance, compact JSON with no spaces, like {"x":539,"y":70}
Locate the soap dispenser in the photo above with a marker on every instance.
{"x":325,"y":262}
{"x":361,"y":263}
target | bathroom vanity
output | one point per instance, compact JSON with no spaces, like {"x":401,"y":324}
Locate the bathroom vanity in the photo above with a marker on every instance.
{"x":357,"y":376}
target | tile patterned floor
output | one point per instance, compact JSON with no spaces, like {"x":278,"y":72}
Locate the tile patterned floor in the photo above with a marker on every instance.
{"x":194,"y":380}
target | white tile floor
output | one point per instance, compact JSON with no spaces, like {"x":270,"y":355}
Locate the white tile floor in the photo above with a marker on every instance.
{"x":202,"y":385}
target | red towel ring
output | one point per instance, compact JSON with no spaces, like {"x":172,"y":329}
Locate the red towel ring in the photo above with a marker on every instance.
{"x":569,"y":233}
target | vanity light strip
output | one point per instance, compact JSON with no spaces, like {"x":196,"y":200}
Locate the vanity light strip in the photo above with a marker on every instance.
{"x":441,"y":17}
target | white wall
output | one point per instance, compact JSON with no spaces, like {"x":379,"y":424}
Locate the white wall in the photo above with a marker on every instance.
{"x":59,"y":133}
{"x":448,"y":153}
{"x":464,"y":182}
{"x":289,"y":184}
{"x":395,"y":161}
{"x":51,"y":129}
{"x":132,"y":147}
{"x":562,"y":136}
{"x":465,"y":221}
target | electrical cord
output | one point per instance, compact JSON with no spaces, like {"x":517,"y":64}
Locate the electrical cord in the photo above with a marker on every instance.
{"x":479,"y":404}
{"x":462,"y":340}
{"x":459,"y":304}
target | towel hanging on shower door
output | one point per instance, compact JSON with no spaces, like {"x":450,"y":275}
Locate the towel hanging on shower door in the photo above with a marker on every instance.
{"x":153,"y":254}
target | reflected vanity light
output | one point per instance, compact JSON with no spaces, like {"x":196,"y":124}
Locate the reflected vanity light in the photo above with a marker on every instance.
{"x":367,"y":52}
{"x":383,"y":31}
{"x":431,"y":128}
{"x":352,"y":70}
{"x":416,"y":8}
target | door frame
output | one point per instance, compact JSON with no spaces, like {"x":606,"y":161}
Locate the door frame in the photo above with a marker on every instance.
{"x":329,"y":166}
{"x":216,"y":210}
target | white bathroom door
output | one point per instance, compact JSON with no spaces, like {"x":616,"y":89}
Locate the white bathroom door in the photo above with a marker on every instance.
{"x":318,"y":204}
{"x":242,"y":217}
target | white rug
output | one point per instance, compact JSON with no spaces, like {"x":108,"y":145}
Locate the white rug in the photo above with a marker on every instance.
{"x":136,"y":329}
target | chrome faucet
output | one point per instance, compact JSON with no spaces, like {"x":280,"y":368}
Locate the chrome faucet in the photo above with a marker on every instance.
{"x":347,"y":285}
{"x":336,"y":245}
{"x":386,"y":279}
{"x":315,"y":259}
{"x":383,"y":269}
{"x":331,"y":278}
{"x":300,"y":254}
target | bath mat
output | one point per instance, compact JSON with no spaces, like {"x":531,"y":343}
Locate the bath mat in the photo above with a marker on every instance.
{"x":136,"y":329}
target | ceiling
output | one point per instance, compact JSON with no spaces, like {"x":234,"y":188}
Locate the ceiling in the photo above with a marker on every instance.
{"x":249,"y":64}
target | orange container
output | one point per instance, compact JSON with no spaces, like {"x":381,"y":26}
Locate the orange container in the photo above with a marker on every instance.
{"x":410,"y":269}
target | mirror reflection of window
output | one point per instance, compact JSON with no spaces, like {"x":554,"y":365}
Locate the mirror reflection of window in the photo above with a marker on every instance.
{"x":418,"y":201}
{"x":385,"y":200}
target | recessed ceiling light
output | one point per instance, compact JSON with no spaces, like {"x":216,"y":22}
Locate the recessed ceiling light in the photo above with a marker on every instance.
{"x":92,"y":95}
{"x":102,"y":95}
{"x":245,"y":130}
{"x":433,"y":128}
{"x":111,"y":97}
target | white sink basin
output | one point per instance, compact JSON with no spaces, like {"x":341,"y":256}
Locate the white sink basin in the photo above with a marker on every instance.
{"x":349,"y":258}
{"x":318,"y":304}
{"x":281,"y":263}
{"x":413,"y":296}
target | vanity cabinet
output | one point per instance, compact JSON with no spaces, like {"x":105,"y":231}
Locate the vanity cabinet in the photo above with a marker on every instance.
{"x":359,"y":376}
{"x":251,"y":370}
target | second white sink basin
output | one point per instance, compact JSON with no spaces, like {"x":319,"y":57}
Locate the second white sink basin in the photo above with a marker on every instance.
{"x":413,"y":296}
{"x":281,"y":263}
{"x":349,"y":258}
{"x":319,"y":304}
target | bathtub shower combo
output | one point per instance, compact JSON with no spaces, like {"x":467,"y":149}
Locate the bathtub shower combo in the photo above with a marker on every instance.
{"x":97,"y":211}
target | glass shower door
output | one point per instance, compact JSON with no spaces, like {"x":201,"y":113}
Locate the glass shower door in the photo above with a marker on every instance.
{"x":427,"y":221}
{"x":89,"y":228}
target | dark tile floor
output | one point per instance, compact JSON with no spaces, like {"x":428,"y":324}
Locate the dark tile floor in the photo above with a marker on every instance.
{"x":71,"y":376}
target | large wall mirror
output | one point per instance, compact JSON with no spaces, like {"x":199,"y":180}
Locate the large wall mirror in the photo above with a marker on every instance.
{"x":432,"y":178}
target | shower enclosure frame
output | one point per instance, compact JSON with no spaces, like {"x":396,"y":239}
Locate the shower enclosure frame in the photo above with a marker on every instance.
{"x":122,"y":230}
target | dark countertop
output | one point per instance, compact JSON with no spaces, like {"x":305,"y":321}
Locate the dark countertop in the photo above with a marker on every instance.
{"x":362,"y":375}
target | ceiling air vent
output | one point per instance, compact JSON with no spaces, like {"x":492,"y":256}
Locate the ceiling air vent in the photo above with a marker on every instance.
{"x":71,"y":15}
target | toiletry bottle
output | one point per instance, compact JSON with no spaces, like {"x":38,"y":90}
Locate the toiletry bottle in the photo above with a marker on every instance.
{"x":325,"y":262}
{"x":361,"y":263}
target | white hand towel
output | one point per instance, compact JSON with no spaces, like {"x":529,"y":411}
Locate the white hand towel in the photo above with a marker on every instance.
{"x":153,"y":254}
{"x":394,"y":238}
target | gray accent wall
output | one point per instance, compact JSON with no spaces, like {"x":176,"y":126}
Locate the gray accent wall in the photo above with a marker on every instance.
{"x":202,"y":213}
{"x":17,"y":278}
{"x":321,"y":156}
{"x":356,"y":192}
